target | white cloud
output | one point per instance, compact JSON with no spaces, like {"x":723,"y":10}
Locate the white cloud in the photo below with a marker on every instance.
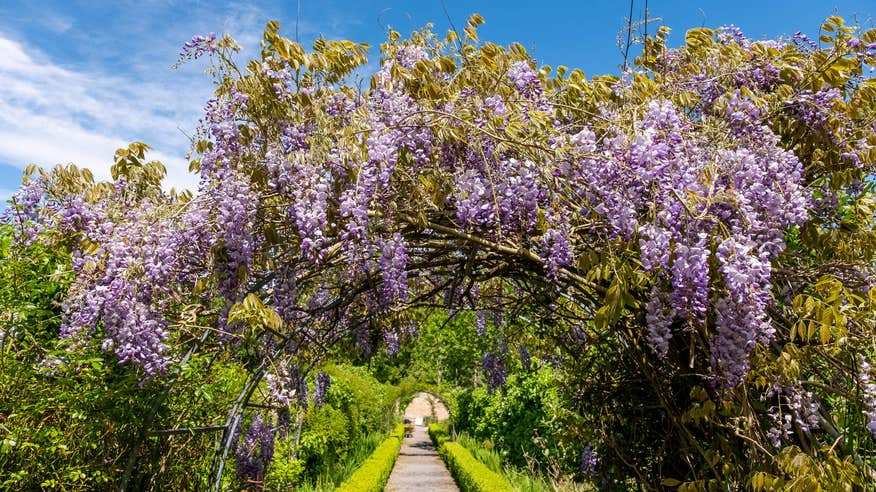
{"x":50,"y":114}
{"x":59,"y":111}
{"x":27,"y":138}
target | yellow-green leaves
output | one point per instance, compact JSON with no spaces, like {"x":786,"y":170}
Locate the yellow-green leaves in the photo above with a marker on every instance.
{"x":763,"y":482}
{"x":823,"y":316}
{"x":804,"y":474}
{"x":446,"y":64}
{"x":142,"y":178}
{"x":699,"y":37}
{"x":471,"y":27}
{"x":836,"y":24}
{"x":612,"y":306}
{"x":337,"y":59}
{"x":291,"y":52}
{"x":331,"y":60}
{"x":253,"y":311}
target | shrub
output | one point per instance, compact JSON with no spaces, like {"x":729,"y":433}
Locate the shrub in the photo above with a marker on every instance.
{"x":527,"y":419}
{"x":374,"y":473}
{"x":325,"y":440}
{"x":70,"y":415}
{"x":439,"y":434}
{"x":367,"y":403}
{"x":284,"y":473}
{"x":470,"y":474}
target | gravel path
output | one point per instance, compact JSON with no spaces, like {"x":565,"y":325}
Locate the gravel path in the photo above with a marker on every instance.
{"x":419,"y":468}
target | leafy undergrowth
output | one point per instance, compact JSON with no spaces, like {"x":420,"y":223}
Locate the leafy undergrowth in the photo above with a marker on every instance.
{"x":335,"y":474}
{"x":521,"y":480}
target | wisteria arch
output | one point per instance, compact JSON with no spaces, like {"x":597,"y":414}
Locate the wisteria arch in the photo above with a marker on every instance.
{"x":681,"y":224}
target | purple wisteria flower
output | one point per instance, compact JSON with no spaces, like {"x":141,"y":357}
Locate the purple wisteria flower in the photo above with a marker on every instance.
{"x":589,"y":459}
{"x":524,"y":78}
{"x":868,"y":389}
{"x":198,"y":46}
{"x":254,"y":453}
{"x":320,"y":388}
{"x":393,"y":260}
{"x":494,"y":369}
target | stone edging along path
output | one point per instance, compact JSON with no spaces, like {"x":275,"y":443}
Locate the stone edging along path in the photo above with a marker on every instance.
{"x":419,"y":468}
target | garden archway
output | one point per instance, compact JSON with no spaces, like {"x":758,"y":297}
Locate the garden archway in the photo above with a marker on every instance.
{"x":636,"y":220}
{"x":426,"y":407}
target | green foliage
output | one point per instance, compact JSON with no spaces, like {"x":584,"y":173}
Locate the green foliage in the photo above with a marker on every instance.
{"x":69,"y":429}
{"x":527,"y":419}
{"x":522,"y":480}
{"x":484,"y":452}
{"x":336,"y":439}
{"x":70,"y":415}
{"x":284,"y":472}
{"x":366,"y":402}
{"x":438,"y":433}
{"x":445,"y":353}
{"x":326,"y":439}
{"x":373,"y":474}
{"x":55,"y":405}
{"x":33,"y":281}
{"x":471,"y":474}
{"x":72,"y":427}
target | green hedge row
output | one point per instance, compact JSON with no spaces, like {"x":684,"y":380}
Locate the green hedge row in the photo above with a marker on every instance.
{"x":471,"y":475}
{"x":374,"y":473}
{"x":439,"y":434}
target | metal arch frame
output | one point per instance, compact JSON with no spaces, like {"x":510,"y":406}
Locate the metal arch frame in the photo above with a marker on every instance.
{"x":234,"y":417}
{"x":134,"y":455}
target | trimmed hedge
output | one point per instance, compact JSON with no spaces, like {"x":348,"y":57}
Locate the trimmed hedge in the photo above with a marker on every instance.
{"x":439,"y":434}
{"x":471,"y":475}
{"x":374,"y":473}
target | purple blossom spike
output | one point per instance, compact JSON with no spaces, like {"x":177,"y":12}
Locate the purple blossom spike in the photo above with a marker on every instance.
{"x":589,"y":459}
{"x":254,"y":453}
{"x":320,"y":389}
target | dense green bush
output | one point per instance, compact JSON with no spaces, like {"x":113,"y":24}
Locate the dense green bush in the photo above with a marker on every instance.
{"x":471,"y":474}
{"x":528,"y":420}
{"x":338,"y":437}
{"x":445,"y":353}
{"x":325,"y":440}
{"x":523,"y":479}
{"x":70,"y":415}
{"x":285,"y":472}
{"x":367,"y":403}
{"x":373,"y":474}
{"x":439,"y":434}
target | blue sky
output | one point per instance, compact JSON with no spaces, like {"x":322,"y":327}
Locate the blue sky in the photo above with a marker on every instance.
{"x":79,"y":79}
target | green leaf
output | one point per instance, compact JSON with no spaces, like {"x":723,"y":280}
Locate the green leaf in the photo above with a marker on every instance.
{"x":671,"y":482}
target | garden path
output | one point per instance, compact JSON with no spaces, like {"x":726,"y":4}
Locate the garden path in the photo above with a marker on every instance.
{"x":419,"y":468}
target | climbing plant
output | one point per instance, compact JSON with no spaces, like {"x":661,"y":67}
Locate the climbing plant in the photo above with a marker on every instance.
{"x":692,"y":238}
